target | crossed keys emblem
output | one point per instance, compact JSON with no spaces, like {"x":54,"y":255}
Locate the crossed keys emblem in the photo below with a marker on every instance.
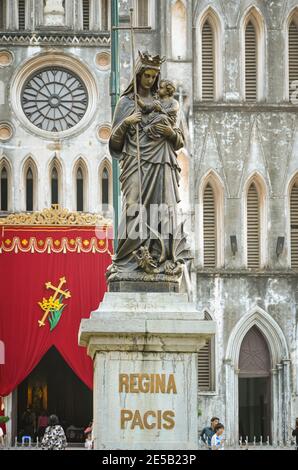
{"x":53,"y":307}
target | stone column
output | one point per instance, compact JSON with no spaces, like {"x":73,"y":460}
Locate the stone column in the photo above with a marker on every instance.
{"x":287,"y":400}
{"x":8,"y":412}
{"x":144,"y":347}
{"x":231,"y":403}
{"x":274,"y":406}
{"x":279,"y":397}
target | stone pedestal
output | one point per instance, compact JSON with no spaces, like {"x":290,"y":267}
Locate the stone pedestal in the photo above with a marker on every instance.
{"x":144,"y":347}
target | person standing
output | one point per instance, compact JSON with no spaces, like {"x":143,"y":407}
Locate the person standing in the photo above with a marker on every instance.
{"x":43,"y":422}
{"x":54,"y":437}
{"x":209,"y":431}
{"x":28,"y":422}
{"x":2,"y":425}
{"x":1,"y":438}
{"x":217,"y":441}
{"x":295,"y":433}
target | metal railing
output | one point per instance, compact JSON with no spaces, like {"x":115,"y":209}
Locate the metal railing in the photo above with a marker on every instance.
{"x":258,"y":443}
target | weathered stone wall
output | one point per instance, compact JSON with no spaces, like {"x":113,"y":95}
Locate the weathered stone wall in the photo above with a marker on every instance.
{"x":236,"y":140}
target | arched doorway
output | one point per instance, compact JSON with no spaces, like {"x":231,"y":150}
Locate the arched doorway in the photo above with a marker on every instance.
{"x":53,"y":387}
{"x":280,"y":389}
{"x":254,"y":387}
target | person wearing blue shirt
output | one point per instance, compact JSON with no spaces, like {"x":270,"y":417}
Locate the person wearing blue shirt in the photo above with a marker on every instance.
{"x":209,"y":431}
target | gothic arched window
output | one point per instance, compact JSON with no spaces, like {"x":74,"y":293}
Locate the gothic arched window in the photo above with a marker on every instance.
{"x":80,"y":189}
{"x":293,"y":55}
{"x":253,"y":227}
{"x":2,"y":14}
{"x":208,"y":76}
{"x":250,"y":62}
{"x":294,"y":225}
{"x":105,"y":187}
{"x":105,"y":14}
{"x":86,"y":14}
{"x":143,"y":12}
{"x":22,"y":14}
{"x":29,"y":190}
{"x":179,"y":29}
{"x":206,"y":363}
{"x":4,"y":189}
{"x":209,"y":222}
{"x":54,"y":186}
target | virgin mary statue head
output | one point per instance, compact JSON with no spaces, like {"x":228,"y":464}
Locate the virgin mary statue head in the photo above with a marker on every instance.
{"x":148,"y":63}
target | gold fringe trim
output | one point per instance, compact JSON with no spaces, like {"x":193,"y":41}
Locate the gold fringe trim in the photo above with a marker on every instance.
{"x":51,"y":245}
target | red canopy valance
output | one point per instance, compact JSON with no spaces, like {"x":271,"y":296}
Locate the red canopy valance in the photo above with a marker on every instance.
{"x":31,"y":257}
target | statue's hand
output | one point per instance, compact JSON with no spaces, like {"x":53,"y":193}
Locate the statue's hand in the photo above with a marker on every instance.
{"x":157,"y":106}
{"x":165,"y":130}
{"x":135,"y":118}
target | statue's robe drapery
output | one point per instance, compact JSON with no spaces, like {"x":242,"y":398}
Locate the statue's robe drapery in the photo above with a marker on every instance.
{"x":160,"y":183}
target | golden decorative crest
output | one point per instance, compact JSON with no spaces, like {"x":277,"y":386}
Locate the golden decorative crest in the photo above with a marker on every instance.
{"x":54,"y":216}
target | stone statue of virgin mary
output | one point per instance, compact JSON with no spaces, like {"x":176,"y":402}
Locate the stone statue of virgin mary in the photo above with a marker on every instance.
{"x":159,"y":251}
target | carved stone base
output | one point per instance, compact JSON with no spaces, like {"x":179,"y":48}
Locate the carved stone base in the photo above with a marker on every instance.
{"x":138,"y":281}
{"x":141,"y":286}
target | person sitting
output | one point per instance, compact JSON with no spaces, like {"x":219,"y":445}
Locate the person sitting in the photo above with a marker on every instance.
{"x":54,"y":437}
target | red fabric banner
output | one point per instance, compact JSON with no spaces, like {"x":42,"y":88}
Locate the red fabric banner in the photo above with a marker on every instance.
{"x":30,"y":257}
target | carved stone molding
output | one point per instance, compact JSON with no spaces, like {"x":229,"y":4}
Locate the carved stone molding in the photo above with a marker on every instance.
{"x":40,"y":39}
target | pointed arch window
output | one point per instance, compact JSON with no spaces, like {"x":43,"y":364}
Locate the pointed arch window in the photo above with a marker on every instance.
{"x":210,"y":229}
{"x":250,"y":62}
{"x":204,"y":367}
{"x":54,"y":186}
{"x":253,"y":77}
{"x":208,"y":62}
{"x":29,"y":190}
{"x":105,"y":187}
{"x":4,"y":189}
{"x":293,"y":53}
{"x":2,"y":14}
{"x":86,"y":14}
{"x":294,"y":225}
{"x":253,"y":228}
{"x":144,"y":12}
{"x":105,"y":14}
{"x":179,"y":29}
{"x":209,"y":43}
{"x":22,"y":14}
{"x":80,"y":189}
{"x":206,"y":364}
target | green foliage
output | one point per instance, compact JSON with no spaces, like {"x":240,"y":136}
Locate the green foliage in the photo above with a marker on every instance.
{"x":4,"y":419}
{"x":54,"y":316}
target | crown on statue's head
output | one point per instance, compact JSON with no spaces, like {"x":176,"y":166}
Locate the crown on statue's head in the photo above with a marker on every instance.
{"x":151,"y":61}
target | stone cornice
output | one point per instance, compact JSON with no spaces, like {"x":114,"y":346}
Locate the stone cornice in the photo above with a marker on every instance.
{"x":56,"y":39}
{"x":243,"y":273}
{"x":285,"y":107}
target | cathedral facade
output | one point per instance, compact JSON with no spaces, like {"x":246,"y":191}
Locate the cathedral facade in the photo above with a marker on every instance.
{"x":235,"y":66}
